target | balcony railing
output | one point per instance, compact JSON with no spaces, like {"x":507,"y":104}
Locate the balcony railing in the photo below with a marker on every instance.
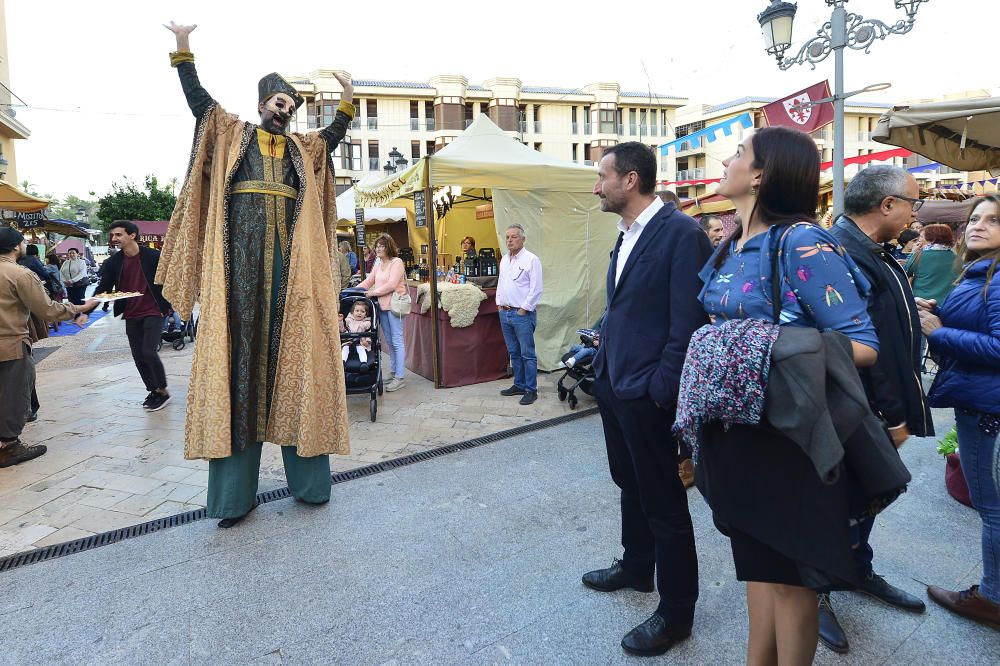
{"x":429,"y":124}
{"x":373,"y":164}
{"x":691,"y":174}
{"x":414,"y":124}
{"x":586,"y":128}
{"x":621,"y":128}
{"x":652,"y":130}
{"x":373,"y":123}
{"x":633,"y":129}
{"x":574,"y":128}
{"x":864,"y":137}
{"x":468,"y":123}
{"x":312,"y":123}
{"x":589,"y":162}
{"x":522,"y":126}
{"x":537,"y":126}
{"x":691,"y":144}
{"x":356,"y":123}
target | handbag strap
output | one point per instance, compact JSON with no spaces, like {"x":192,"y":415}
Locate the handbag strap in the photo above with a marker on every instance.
{"x":777,"y":252}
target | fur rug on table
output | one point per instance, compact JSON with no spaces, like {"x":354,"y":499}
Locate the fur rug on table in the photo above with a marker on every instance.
{"x":460,"y":301}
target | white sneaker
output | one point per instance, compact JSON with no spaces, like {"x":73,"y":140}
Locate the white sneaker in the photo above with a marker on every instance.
{"x":395,"y":384}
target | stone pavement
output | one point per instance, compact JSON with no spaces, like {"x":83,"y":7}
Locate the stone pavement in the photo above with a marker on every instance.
{"x":470,"y":558}
{"x":110,"y":464}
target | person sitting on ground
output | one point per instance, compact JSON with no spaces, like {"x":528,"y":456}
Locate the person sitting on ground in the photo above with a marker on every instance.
{"x":358,"y":320}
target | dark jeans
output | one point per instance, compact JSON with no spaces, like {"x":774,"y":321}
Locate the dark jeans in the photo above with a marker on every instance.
{"x":77,"y":294}
{"x":656,"y":524}
{"x":17,"y":378}
{"x":143,"y":337}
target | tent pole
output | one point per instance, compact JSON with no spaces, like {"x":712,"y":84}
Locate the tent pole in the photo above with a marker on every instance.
{"x":433,"y":290}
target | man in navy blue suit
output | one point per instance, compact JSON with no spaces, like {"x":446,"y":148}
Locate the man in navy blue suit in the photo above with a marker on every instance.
{"x":652,"y":311}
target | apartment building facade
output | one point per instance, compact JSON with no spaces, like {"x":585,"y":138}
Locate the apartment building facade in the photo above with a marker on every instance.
{"x":11,"y":129}
{"x":406,"y":120}
{"x":701,"y":159}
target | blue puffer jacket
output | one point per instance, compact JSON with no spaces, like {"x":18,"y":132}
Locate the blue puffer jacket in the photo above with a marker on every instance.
{"x":969,"y":345}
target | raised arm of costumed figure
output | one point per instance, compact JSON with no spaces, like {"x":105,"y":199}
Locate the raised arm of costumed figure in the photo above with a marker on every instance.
{"x":198,"y":98}
{"x":335,"y":131}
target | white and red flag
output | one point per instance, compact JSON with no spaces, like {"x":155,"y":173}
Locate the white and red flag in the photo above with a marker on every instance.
{"x":788,"y":112}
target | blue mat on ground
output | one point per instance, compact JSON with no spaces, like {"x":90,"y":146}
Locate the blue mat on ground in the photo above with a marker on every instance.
{"x":69,"y":328}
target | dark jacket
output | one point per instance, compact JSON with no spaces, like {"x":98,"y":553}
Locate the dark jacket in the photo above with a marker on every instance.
{"x":35,"y":265}
{"x":893,"y":384}
{"x":969,"y":344}
{"x":654,"y":309}
{"x":111,"y":274}
{"x":815,"y":398}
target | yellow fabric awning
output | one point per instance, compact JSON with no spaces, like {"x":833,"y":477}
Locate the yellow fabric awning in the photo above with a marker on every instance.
{"x":18,"y":201}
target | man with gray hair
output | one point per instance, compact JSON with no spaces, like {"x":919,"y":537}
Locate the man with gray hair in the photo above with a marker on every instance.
{"x":879,"y":203}
{"x":519,"y":287}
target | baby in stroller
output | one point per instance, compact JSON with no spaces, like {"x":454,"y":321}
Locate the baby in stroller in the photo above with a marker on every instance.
{"x":577,"y":362}
{"x":358,"y":320}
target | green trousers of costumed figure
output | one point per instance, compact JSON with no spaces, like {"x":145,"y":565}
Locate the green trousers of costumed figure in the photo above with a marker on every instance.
{"x":232,"y":481}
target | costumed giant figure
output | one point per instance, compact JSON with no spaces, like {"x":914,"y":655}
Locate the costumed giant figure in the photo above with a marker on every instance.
{"x":253,"y":240}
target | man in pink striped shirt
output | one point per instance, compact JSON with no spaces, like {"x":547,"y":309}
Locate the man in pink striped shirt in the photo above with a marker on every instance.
{"x":518,"y":289}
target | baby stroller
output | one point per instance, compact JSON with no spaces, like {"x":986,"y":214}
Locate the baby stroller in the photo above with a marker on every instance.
{"x":174,"y":334}
{"x":580,"y":374}
{"x":362,"y":376}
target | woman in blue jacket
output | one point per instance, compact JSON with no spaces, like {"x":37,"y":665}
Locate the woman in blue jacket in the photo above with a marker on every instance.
{"x":964,"y":333}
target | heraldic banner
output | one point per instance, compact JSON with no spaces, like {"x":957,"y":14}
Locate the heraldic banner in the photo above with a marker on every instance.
{"x":787,"y":112}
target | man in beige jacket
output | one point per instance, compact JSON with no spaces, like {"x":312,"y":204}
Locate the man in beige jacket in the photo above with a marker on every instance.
{"x":22,"y":295}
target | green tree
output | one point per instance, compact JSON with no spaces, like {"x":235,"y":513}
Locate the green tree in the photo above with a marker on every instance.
{"x":66,"y":209}
{"x":128,"y":202}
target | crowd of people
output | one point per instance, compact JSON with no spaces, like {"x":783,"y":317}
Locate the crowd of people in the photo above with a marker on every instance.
{"x":794,"y":471}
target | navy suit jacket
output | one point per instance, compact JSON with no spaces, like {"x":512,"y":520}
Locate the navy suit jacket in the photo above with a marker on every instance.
{"x":654,"y":309}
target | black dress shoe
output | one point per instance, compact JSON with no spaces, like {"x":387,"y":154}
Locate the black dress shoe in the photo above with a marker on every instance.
{"x":831,"y":634}
{"x":654,"y":637}
{"x":875,"y":586}
{"x":528,"y":398}
{"x":513,"y":390}
{"x":616,"y":577}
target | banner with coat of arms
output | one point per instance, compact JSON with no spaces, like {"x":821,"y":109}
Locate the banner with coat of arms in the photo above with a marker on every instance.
{"x":790,"y":112}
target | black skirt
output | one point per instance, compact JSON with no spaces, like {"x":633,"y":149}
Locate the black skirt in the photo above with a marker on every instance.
{"x":785,"y":525}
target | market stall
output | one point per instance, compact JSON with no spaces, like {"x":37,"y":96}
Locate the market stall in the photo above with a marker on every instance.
{"x":477,"y":185}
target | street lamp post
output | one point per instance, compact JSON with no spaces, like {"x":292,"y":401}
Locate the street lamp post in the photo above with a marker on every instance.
{"x":842,"y":30}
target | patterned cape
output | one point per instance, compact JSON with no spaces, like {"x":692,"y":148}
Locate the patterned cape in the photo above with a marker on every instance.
{"x":308,"y":403}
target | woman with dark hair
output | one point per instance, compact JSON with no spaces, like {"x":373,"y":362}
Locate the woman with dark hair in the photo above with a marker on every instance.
{"x":964,"y":333}
{"x":932,"y":267}
{"x":468,"y":245}
{"x":386,"y":279}
{"x":369,"y":259}
{"x":789,"y":529}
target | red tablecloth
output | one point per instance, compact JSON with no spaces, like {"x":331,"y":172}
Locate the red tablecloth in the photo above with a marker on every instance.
{"x":469,"y":355}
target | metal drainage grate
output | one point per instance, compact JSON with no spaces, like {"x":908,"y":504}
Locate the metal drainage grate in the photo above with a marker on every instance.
{"x":132,"y":531}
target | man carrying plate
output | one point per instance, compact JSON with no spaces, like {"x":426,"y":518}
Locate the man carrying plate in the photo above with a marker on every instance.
{"x":132,"y":270}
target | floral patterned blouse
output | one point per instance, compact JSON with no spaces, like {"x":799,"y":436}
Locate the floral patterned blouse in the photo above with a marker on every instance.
{"x":822,"y":286}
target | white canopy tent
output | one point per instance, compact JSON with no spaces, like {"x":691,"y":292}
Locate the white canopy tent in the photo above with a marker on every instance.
{"x":346,"y":207}
{"x":552,"y":199}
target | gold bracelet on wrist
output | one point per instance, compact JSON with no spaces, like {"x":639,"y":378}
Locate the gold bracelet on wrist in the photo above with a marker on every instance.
{"x":177,"y":57}
{"x":347,"y":108}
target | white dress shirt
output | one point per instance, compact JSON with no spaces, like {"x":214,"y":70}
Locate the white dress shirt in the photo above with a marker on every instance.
{"x":519,"y":284}
{"x":631,"y":235}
